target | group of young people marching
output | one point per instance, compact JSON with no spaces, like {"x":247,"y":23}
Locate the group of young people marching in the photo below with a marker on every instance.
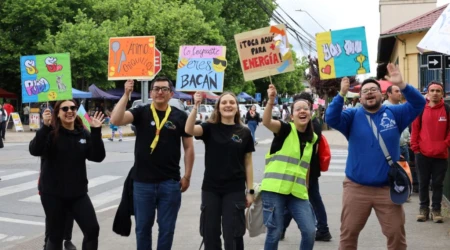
{"x":288,"y":188}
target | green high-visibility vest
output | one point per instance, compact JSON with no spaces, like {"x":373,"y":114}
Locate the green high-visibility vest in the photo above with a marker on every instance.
{"x":285,"y":171}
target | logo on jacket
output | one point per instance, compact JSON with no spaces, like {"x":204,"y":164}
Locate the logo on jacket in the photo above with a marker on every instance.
{"x":442,"y":119}
{"x":83,"y":141}
{"x":387,"y":123}
{"x":236,"y":138}
{"x":170,"y":125}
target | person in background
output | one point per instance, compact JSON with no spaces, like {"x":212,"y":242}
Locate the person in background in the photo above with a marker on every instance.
{"x":64,"y":146}
{"x":285,"y":115}
{"x":115,"y":129}
{"x":252,"y":119}
{"x":323,"y":232}
{"x":227,"y":175}
{"x":3,"y":120}
{"x":26,"y":114}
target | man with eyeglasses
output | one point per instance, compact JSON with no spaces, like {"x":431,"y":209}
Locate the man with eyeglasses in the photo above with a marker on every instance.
{"x":430,"y":140}
{"x":157,"y":184}
{"x":366,"y":185}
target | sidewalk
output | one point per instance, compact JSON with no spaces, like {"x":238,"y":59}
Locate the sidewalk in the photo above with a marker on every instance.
{"x":19,"y":137}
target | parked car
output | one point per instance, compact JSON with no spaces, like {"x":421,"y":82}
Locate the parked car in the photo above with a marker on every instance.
{"x":276,"y":114}
{"x":177,"y":103}
{"x":199,"y":115}
{"x":205,"y":111}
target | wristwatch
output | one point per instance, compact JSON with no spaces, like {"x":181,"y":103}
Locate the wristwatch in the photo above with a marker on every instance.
{"x":251,"y":191}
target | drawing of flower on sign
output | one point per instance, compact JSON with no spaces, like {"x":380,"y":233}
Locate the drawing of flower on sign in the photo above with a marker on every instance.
{"x":342,"y":53}
{"x":201,"y":68}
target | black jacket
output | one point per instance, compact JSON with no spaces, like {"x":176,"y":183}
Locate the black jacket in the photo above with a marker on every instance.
{"x":122,"y":220}
{"x":63,"y":161}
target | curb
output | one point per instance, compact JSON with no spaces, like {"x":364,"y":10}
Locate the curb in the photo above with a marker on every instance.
{"x":106,"y":136}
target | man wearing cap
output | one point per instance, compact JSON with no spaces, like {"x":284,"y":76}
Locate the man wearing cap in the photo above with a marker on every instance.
{"x":430,"y":140}
{"x":367,"y":184}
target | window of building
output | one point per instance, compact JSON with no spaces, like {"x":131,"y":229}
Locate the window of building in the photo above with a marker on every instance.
{"x":426,"y":75}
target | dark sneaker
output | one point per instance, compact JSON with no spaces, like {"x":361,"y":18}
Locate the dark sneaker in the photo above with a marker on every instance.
{"x":282,"y":235}
{"x":110,"y":139}
{"x":436,"y":216}
{"x":68,"y":245}
{"x":424,"y":215}
{"x":120,"y":139}
{"x":323,"y":236}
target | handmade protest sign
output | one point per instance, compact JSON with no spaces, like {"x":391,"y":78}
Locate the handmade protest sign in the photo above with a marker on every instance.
{"x":46,"y":77}
{"x":342,"y":53}
{"x":133,"y":58}
{"x":438,"y":37}
{"x":264,"y":52}
{"x":201,"y":68}
{"x":84,"y":117}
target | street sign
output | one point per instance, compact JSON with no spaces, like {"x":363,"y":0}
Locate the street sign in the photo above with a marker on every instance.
{"x":435,"y":62}
{"x":158,"y":61}
{"x":258,"y":97}
{"x":447,"y":62}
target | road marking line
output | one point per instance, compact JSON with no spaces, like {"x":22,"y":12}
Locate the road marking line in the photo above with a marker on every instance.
{"x":18,"y":175}
{"x":13,"y":238}
{"x":106,"y":197}
{"x":106,"y":209}
{"x":2,"y":236}
{"x":340,"y":161}
{"x":18,"y":188}
{"x":26,"y":222}
{"x":92,"y":183}
{"x":333,"y":174}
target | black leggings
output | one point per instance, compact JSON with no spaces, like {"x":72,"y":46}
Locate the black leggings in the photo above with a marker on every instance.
{"x":56,"y":210}
{"x":67,"y":228}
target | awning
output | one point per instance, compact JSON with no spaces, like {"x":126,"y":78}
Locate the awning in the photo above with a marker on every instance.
{"x":81,"y":94}
{"x":100,"y":94}
{"x":6,"y":94}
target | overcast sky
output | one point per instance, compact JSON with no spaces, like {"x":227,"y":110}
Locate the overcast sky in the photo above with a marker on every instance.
{"x":335,"y":15}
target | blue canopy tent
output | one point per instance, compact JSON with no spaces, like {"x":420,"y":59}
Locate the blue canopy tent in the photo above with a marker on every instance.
{"x":119,"y":92}
{"x":181,"y":95}
{"x":78,"y":94}
{"x":100,"y":94}
{"x":246,"y":96}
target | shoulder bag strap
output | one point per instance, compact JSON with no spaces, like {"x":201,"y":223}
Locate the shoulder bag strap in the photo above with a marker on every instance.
{"x":380,"y":140}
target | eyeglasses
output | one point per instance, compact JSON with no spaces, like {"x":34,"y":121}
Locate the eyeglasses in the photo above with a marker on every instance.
{"x":163,"y":89}
{"x":66,"y":108}
{"x":373,"y":90}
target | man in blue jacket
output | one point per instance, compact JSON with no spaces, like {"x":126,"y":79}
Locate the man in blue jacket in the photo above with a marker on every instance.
{"x":366,"y":185}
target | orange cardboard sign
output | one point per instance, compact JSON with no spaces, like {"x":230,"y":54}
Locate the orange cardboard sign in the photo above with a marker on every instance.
{"x":132,"y":58}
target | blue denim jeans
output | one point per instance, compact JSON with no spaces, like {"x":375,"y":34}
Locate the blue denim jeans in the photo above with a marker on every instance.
{"x":149,"y":197}
{"x":319,"y":209}
{"x":252,"y":126}
{"x":274,"y":205}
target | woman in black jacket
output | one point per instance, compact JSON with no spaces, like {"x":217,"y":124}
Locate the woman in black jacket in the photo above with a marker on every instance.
{"x":64,"y":145}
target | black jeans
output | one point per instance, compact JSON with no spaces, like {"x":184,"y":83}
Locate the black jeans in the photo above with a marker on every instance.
{"x":434,"y":169}
{"x":228,"y":210}
{"x":67,"y":228}
{"x":56,"y":209}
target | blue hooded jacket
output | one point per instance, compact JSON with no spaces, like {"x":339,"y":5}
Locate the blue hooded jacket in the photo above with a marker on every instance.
{"x":366,"y":164}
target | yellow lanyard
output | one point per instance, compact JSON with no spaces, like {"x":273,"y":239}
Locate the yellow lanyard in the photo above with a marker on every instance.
{"x":158,"y":125}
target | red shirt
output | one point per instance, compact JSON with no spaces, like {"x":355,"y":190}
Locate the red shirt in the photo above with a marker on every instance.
{"x":431,"y":136}
{"x":8,"y":108}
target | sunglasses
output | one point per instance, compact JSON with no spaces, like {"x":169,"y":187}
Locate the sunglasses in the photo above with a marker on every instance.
{"x":218,"y":61}
{"x":66,"y":108}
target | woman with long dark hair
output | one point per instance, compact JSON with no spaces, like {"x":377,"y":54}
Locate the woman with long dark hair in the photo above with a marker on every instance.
{"x":228,"y":172}
{"x":64,"y":145}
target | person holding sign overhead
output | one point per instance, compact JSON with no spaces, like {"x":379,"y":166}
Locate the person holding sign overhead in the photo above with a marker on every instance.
{"x":157,"y":184}
{"x":64,"y":146}
{"x":286,"y":175}
{"x":228,"y":172}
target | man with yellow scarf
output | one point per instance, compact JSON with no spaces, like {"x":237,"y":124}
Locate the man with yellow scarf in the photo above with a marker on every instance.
{"x":157,"y":184}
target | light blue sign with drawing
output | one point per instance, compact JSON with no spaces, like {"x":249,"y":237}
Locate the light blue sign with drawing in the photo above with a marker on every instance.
{"x":201,"y":68}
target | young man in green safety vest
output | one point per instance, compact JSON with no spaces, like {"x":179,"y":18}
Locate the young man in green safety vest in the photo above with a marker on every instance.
{"x":285,"y":183}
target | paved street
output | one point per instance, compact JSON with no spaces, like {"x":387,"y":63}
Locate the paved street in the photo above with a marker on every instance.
{"x":22,"y":216}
